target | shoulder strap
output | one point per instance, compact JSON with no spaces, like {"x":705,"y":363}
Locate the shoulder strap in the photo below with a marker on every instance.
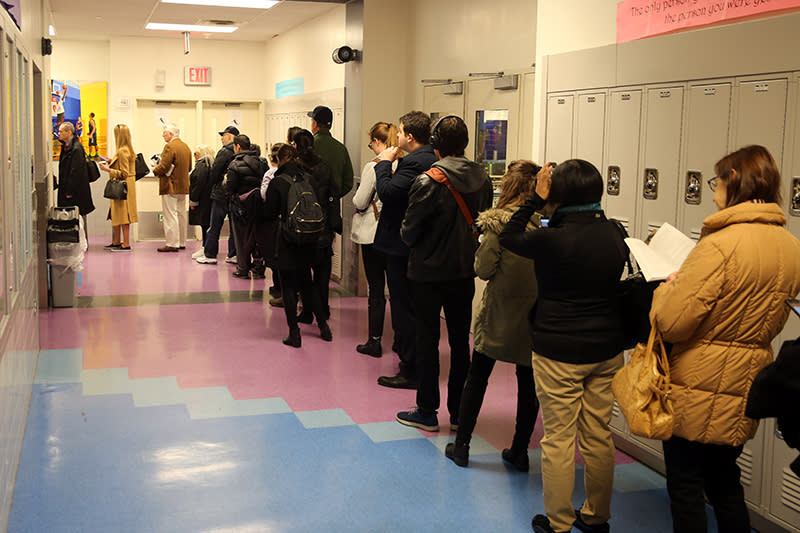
{"x":438,"y":175}
{"x":625,"y":251}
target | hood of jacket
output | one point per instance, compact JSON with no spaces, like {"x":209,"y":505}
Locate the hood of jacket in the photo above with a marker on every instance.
{"x":746,"y":212}
{"x":496,"y":219}
{"x":465,"y":175}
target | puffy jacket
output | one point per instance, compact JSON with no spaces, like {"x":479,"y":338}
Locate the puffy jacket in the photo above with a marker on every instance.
{"x":217,"y":173}
{"x":579,"y":260}
{"x":442,"y":244}
{"x":501,"y":322}
{"x":245,"y":173}
{"x":721,"y":312}
{"x":393,"y":188}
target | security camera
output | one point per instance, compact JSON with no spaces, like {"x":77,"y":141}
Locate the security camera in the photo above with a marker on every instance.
{"x":344,"y":54}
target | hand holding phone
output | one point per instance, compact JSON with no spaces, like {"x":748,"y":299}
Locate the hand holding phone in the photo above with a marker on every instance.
{"x":794,"y":305}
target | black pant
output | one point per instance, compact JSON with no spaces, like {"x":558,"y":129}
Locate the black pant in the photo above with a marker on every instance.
{"x":292,"y":281}
{"x":243,"y":237}
{"x":375,"y":270}
{"x":403,"y":324}
{"x":527,"y":404}
{"x":693,"y":467}
{"x":455,"y":297}
{"x":319,"y":276}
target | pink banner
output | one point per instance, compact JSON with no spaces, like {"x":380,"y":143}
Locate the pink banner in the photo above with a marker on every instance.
{"x":637,"y":19}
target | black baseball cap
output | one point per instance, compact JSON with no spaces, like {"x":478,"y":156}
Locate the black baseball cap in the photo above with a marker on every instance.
{"x":322,"y":115}
{"x":233,"y":130}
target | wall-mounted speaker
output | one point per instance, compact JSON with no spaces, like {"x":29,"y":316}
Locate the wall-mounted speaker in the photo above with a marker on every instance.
{"x":47,"y":46}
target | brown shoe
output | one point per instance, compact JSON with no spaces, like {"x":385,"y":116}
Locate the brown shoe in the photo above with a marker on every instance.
{"x":167,"y":249}
{"x":276,"y":302}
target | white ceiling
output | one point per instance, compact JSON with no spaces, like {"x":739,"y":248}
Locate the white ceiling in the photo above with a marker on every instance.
{"x":102,"y":19}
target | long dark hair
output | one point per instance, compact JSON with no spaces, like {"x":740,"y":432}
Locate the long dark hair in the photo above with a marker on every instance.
{"x":304,"y":144}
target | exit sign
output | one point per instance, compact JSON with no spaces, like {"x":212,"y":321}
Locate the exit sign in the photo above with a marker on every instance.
{"x":197,"y":75}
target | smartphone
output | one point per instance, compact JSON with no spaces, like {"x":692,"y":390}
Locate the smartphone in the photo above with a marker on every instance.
{"x":794,"y":305}
{"x":545,"y":222}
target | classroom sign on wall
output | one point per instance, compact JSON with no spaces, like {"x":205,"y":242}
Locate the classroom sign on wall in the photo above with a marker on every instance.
{"x":637,"y":19}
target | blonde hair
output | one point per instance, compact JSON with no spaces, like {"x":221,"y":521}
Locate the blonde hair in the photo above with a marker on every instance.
{"x":205,"y":153}
{"x":385,"y":133}
{"x":122,"y":136}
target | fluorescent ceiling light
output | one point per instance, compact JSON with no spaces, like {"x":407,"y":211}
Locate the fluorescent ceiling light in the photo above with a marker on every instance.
{"x":254,"y":4}
{"x":51,"y":30}
{"x":190,"y":27}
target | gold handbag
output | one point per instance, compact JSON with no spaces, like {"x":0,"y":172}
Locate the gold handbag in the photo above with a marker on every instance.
{"x":642,"y":388}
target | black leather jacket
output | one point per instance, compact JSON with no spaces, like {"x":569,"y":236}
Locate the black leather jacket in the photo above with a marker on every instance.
{"x":442,"y":243}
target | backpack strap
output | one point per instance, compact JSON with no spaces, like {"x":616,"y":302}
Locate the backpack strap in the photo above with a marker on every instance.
{"x":438,"y":175}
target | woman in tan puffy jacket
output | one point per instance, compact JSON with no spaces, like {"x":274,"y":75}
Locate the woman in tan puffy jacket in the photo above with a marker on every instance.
{"x":722,"y":310}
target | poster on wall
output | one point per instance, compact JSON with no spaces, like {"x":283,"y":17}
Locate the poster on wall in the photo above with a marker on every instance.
{"x":85,"y":105}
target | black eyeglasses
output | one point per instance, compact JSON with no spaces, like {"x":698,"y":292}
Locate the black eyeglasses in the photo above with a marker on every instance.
{"x":369,"y":145}
{"x":712,"y":183}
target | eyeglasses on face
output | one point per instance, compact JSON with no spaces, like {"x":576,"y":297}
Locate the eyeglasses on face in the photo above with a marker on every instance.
{"x":712,"y":183}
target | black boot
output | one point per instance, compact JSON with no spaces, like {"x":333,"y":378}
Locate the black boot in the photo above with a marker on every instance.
{"x":517,"y":459}
{"x":293,"y":339}
{"x":458,"y":453}
{"x":372,"y":347}
{"x":325,"y":331}
{"x":305,"y":317}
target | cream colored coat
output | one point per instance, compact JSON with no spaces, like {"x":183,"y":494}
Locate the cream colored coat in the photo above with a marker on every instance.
{"x":722,"y":312}
{"x":123,"y":166}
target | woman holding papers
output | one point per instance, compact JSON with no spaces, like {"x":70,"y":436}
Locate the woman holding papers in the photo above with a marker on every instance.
{"x":576,"y":335}
{"x":721,"y":311}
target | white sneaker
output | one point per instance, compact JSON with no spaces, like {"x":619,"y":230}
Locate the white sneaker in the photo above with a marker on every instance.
{"x":198,"y":253}
{"x":203,"y":260}
{"x":231,"y":259}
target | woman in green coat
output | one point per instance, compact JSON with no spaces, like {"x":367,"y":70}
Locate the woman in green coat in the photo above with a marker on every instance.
{"x":501,"y":325}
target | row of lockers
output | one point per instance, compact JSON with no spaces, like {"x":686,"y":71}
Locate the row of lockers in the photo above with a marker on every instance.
{"x":656,"y":146}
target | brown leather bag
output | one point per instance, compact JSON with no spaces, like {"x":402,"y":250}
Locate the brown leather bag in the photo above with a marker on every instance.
{"x":642,"y":388}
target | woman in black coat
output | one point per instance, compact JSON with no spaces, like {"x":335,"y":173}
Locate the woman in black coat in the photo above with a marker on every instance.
{"x":200,"y":191}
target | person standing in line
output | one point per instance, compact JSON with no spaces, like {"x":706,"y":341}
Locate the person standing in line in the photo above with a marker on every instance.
{"x":721,"y":311}
{"x":438,"y":228}
{"x":219,"y":202}
{"x":577,"y":338}
{"x":122,"y":213}
{"x":92,"y":134}
{"x":501,"y":325}
{"x":265,"y":230}
{"x":331,"y":150}
{"x":73,"y":177}
{"x":365,"y":222}
{"x":173,"y":174}
{"x":413,"y":138}
{"x":200,"y":193}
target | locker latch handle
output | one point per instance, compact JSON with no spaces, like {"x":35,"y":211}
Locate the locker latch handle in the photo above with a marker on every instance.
{"x":778,"y":433}
{"x":694,"y":187}
{"x":650,"y":191}
{"x":612,"y":186}
{"x":795,"y":204}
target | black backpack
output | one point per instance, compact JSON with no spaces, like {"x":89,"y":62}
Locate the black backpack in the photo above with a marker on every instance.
{"x":305,"y":219}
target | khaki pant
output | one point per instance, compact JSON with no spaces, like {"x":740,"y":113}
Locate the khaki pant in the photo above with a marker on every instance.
{"x":576,"y":397}
{"x":173,"y":208}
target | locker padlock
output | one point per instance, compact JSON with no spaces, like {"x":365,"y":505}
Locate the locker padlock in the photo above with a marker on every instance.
{"x":694,"y":187}
{"x":795,"y":204}
{"x":612,"y":186}
{"x":650,"y":191}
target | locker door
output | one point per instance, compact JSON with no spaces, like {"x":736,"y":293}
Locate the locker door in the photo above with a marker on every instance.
{"x":622,"y":155}
{"x":558,"y":141}
{"x":705,"y":143}
{"x":658,"y":191}
{"x":790,"y":191}
{"x":761,"y":115}
{"x":751,"y":463}
{"x":590,"y":122}
{"x":784,"y":501}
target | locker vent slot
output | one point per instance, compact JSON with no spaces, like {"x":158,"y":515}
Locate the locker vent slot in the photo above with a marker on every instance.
{"x":626,"y":97}
{"x":745,"y":462}
{"x":664,"y":94}
{"x":790,"y":490}
{"x":710,"y":91}
{"x":616,"y":411}
{"x":762,"y":87}
{"x":561,"y":101}
{"x":591,"y":99}
{"x":695,"y":235}
{"x":653,"y":226}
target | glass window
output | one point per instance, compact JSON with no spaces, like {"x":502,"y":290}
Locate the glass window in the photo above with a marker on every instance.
{"x":491,"y":127}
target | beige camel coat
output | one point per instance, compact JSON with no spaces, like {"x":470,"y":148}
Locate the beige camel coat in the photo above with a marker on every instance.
{"x":123,"y":167}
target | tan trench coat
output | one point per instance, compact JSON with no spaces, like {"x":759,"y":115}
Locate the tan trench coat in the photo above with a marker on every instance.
{"x":178,"y":153}
{"x":123,"y":166}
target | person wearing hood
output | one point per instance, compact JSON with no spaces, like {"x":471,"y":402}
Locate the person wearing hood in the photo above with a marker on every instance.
{"x":244,"y":176}
{"x":439,"y":231}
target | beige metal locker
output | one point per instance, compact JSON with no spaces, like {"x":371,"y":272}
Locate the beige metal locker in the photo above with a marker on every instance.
{"x":751,"y":463}
{"x":760,"y":115}
{"x":705,"y":143}
{"x":658,"y":191}
{"x":590,"y":123}
{"x":784,"y":501}
{"x":622,"y":155}
{"x":560,"y":116}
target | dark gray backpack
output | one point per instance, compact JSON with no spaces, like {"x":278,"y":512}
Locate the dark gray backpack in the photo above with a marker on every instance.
{"x":305,"y":219}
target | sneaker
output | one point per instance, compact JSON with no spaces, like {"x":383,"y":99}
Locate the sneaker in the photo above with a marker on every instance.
{"x":417,"y":419}
{"x":231,"y":260}
{"x":586,"y":528}
{"x":518,"y":461}
{"x":458,"y":453}
{"x":112,"y":246}
{"x":241,"y":275}
{"x":198,"y":253}
{"x":121,"y":249}
{"x":541,"y":524}
{"x":203,"y":260}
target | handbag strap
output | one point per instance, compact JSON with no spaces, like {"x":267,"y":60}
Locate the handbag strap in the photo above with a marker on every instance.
{"x":438,"y":175}
{"x":625,"y":251}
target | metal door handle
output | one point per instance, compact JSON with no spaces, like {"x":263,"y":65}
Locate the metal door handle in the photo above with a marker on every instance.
{"x":650,"y":184}
{"x":612,"y":186}
{"x":694,"y":187}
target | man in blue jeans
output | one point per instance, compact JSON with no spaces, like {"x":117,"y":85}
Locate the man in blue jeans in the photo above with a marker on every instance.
{"x":219,"y":201}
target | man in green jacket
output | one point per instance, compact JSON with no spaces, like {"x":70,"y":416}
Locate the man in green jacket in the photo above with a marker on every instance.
{"x":331,"y":150}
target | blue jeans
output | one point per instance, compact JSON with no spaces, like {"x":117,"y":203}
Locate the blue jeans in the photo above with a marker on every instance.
{"x":211,"y":247}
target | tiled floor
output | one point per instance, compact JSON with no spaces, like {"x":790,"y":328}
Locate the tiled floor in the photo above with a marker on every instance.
{"x":166,"y":402}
